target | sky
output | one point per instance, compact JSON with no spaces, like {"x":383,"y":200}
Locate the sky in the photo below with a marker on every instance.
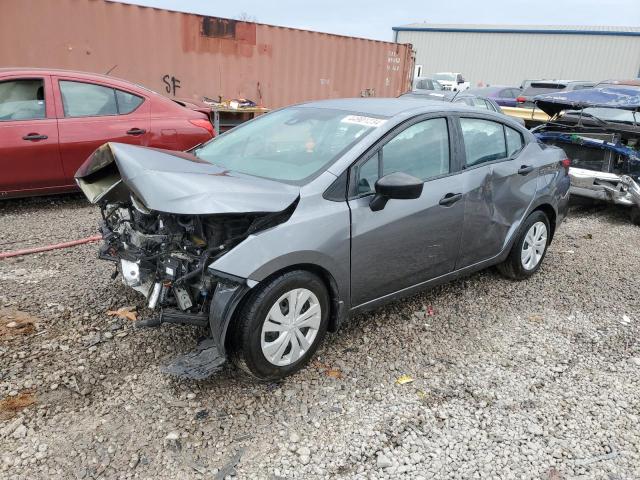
{"x":374,"y":18}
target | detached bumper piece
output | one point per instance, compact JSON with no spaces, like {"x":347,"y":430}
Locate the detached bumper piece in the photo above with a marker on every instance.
{"x":610,"y":187}
{"x":198,"y":364}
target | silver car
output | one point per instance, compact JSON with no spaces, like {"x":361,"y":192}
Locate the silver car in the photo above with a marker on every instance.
{"x":280,"y":229}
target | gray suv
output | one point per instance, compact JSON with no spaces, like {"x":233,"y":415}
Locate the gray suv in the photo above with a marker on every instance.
{"x":280,"y":229}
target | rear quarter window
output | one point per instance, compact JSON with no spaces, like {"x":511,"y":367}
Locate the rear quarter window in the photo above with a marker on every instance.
{"x":127,"y":102}
{"x":515,"y":141}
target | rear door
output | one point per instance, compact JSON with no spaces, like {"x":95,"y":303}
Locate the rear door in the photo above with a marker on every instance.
{"x":29,"y":158}
{"x":408,"y":241}
{"x":91,"y":114}
{"x":499,"y":183}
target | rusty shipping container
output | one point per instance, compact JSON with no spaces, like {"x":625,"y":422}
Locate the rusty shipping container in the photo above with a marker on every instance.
{"x":192,"y":56}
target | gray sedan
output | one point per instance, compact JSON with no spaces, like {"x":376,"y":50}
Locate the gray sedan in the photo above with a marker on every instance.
{"x":280,"y":229}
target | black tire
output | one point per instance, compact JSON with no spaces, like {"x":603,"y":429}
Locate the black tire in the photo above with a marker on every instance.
{"x":245,"y":346}
{"x":634,"y":214}
{"x":512,"y":267}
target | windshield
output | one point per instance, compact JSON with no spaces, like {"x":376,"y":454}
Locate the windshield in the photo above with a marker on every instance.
{"x":447,"y":77}
{"x":291,"y":145}
{"x":609,"y":114}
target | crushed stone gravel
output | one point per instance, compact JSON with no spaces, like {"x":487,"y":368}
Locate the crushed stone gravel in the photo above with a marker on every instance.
{"x":512,"y":380}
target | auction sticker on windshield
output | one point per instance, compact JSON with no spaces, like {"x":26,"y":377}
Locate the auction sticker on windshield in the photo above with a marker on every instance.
{"x":364,"y":121}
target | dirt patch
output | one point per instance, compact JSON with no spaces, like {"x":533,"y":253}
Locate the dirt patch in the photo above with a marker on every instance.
{"x":14,"y":323}
{"x":10,"y":406}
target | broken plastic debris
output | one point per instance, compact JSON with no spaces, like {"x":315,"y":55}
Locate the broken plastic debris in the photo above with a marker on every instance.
{"x":126,"y":313}
{"x":334,"y":373}
{"x":402,"y":379}
{"x":430,"y":311}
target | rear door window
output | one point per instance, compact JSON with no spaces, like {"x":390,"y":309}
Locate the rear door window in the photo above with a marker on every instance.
{"x":22,"y":99}
{"x":87,"y":99}
{"x":484,"y":141}
{"x":81,"y":99}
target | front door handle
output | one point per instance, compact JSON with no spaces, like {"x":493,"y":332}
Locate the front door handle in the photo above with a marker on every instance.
{"x":34,"y":136}
{"x":525,"y":169}
{"x":136,"y":131}
{"x":450,"y":199}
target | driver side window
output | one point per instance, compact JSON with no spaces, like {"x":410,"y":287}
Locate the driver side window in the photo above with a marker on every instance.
{"x":421,"y":150}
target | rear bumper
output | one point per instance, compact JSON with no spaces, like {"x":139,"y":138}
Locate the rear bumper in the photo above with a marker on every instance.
{"x":609,"y":187}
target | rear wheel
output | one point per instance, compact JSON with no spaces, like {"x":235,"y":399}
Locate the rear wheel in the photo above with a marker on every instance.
{"x":529,"y":249}
{"x":281,"y":325}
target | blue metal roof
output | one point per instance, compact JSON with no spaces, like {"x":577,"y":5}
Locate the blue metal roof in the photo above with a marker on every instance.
{"x":525,"y":29}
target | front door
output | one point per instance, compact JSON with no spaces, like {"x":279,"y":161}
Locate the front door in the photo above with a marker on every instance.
{"x":408,"y":241}
{"x":29,"y":157}
{"x":92,"y":114}
{"x":499,"y":182}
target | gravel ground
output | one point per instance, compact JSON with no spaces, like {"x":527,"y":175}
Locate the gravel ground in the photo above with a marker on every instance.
{"x":538,"y":379}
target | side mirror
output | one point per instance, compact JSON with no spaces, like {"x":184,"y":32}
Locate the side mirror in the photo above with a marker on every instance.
{"x":396,"y":185}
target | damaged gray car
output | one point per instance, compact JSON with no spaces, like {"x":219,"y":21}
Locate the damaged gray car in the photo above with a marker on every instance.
{"x":277,"y":231}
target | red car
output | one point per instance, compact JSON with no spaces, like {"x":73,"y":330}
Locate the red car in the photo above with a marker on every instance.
{"x":52,"y":120}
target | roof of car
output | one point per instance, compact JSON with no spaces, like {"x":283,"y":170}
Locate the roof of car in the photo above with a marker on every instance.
{"x":383,"y":107}
{"x":61,"y":72}
{"x":490,"y":88}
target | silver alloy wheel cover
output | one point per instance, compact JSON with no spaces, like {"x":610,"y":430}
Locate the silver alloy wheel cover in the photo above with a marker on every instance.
{"x":291,"y":339}
{"x":534,"y":245}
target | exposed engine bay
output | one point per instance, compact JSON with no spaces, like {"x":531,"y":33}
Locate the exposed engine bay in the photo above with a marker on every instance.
{"x":164,"y":256}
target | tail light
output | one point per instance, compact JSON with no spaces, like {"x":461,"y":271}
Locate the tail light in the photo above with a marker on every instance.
{"x":521,"y":99}
{"x":566,"y":163}
{"x":203,"y":123}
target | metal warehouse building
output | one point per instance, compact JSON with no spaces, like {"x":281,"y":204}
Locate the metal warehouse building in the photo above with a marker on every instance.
{"x":509,"y":54}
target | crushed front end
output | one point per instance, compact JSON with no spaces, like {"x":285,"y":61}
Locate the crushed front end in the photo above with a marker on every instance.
{"x":602,"y":167}
{"x":165,"y":253}
{"x":599,"y":131}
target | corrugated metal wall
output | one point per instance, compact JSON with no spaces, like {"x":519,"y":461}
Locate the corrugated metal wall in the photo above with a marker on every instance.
{"x":509,"y":58}
{"x":159,"y":49}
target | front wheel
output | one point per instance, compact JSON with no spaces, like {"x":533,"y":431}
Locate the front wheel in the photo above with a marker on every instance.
{"x":529,"y":249}
{"x":281,"y":325}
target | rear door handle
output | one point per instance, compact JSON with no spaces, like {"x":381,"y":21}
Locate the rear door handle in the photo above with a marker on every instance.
{"x":525,"y":169}
{"x":34,"y":136}
{"x":136,"y":131}
{"x":450,"y":199}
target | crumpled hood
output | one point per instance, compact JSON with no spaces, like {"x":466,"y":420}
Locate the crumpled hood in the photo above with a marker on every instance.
{"x":177,"y":182}
{"x":626,"y":98}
